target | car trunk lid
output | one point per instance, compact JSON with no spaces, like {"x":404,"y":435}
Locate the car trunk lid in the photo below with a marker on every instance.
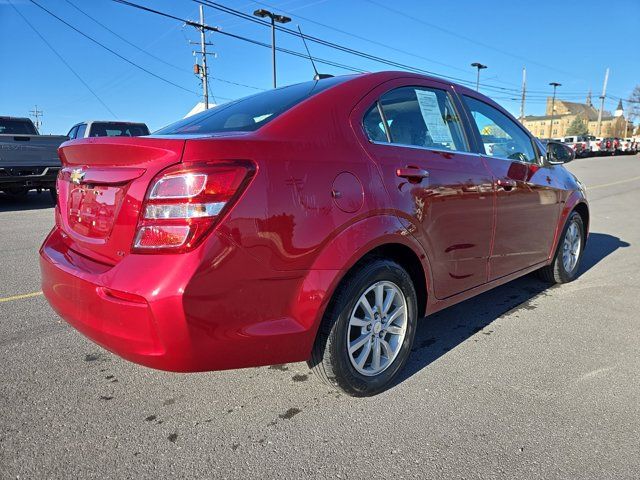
{"x":101,"y":190}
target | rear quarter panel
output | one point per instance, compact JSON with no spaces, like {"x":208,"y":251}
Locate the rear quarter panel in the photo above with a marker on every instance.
{"x":313,"y":181}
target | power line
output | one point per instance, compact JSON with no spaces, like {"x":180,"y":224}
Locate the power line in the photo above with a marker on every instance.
{"x":77,"y":75}
{"x":239,"y":14}
{"x":146,"y":52}
{"x":359,"y":37}
{"x":239,"y":37}
{"x":112,"y":51}
{"x":393,"y":48}
{"x":457,"y":35}
{"x":124,"y":39}
{"x":349,"y":50}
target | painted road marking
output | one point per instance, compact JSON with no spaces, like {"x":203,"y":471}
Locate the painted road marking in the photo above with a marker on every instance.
{"x":619,"y":182}
{"x":20,"y":297}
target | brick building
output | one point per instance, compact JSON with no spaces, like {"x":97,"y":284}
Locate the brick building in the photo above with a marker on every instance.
{"x":566,"y":113}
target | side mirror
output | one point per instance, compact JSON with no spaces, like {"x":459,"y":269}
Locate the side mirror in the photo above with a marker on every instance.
{"x":558,"y":153}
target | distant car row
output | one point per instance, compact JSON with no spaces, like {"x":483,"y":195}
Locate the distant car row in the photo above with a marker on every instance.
{"x":30,"y":161}
{"x":589,"y":146}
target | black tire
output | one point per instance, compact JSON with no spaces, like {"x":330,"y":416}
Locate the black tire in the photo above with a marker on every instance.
{"x":330,"y":358}
{"x":556,"y":272}
{"x":54,"y":195}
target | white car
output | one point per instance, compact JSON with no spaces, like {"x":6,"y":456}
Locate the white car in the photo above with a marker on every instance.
{"x":99,"y":128}
{"x":579,"y":144}
{"x":628,"y":145}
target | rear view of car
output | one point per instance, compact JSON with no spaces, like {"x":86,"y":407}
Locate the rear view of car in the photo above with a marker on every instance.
{"x":148,"y":259}
{"x":316,"y":222}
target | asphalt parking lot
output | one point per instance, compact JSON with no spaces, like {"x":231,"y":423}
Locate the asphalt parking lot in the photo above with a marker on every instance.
{"x":524,"y":381}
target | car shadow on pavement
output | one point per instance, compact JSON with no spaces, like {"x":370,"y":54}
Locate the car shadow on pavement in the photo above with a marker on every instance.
{"x":443,"y":331}
{"x":32,"y":201}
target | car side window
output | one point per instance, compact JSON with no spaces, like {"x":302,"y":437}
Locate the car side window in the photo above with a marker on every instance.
{"x":421,"y":117}
{"x":72,"y":133}
{"x":81,"y":129}
{"x":501,"y":136}
{"x":373,"y":125}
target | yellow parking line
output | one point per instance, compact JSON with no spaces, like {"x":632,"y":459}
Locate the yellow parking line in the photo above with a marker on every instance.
{"x":603,"y":185}
{"x":20,"y":297}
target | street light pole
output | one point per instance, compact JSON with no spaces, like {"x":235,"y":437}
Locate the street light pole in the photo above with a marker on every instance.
{"x":262,"y":13}
{"x":479,"y":66}
{"x":553,"y":104}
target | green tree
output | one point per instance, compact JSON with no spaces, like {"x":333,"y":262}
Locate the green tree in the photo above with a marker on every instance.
{"x":577,"y":127}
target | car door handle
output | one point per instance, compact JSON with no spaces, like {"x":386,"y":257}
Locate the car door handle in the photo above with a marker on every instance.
{"x":506,"y":184}
{"x":412,"y":173}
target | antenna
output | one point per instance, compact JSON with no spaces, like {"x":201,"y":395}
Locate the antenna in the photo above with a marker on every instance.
{"x":317,"y":76}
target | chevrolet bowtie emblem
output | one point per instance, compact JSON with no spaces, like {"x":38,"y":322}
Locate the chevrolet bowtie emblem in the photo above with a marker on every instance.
{"x":76,"y":176}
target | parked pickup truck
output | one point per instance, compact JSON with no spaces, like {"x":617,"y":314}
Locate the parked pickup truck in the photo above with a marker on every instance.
{"x":96,"y":128}
{"x":28,"y":160}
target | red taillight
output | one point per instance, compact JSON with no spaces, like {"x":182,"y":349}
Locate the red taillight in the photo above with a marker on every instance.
{"x":184,"y":203}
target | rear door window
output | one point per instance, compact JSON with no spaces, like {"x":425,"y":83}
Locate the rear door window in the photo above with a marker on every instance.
{"x":73,"y":132}
{"x":81,"y":129}
{"x":501,"y":136}
{"x":422,"y":117}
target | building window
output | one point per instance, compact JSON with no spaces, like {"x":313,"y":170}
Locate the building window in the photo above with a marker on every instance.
{"x":555,"y":131}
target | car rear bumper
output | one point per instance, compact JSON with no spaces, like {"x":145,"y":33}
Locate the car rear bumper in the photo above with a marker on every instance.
{"x":30,"y":177}
{"x":232,"y":314}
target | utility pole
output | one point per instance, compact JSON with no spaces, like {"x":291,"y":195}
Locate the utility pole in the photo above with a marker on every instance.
{"x":203,"y":49}
{"x":602,"y":97}
{"x":524,"y":92}
{"x":553,"y":105}
{"x":36,"y":114}
{"x":479,"y":66}
{"x":262,"y":13}
{"x":202,"y":71}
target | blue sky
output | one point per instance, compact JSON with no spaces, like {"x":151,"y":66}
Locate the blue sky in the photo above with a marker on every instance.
{"x":571,"y":42}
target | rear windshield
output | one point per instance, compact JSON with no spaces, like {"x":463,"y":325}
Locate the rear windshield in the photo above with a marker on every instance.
{"x":250,"y":113}
{"x":17,"y":127}
{"x":115,"y":129}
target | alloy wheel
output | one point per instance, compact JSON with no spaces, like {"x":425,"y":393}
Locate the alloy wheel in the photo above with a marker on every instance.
{"x":571,"y":247}
{"x":377,"y":328}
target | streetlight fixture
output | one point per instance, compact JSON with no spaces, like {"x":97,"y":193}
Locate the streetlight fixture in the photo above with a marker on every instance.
{"x":262,"y":13}
{"x":553,"y":104}
{"x":479,"y":66}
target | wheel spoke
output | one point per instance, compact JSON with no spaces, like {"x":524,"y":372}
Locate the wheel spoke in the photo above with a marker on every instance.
{"x":379,"y":296}
{"x":393,"y":330}
{"x":358,"y":322}
{"x":356,"y":344}
{"x":375,"y":360}
{"x":364,"y":302}
{"x":364,"y":354}
{"x":391,"y":295}
{"x":387,"y":348}
{"x":394,"y":316}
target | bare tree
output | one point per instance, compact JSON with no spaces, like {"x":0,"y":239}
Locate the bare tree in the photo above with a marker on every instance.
{"x":633,"y":108}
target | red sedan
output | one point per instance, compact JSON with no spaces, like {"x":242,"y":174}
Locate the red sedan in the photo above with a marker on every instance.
{"x":314,"y":222}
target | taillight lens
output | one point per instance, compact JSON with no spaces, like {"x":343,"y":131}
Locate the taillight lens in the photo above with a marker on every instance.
{"x":183,"y":204}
